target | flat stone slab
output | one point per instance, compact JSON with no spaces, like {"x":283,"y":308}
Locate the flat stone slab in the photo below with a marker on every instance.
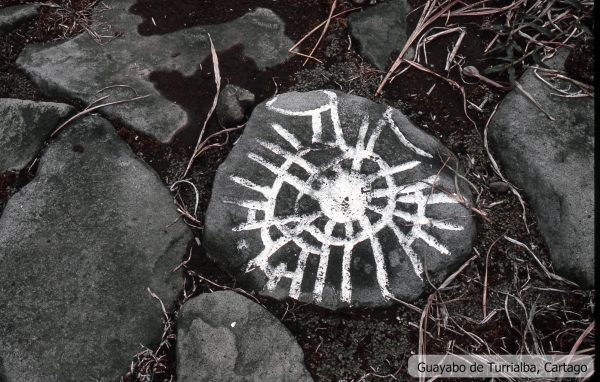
{"x":80,"y":67}
{"x":381,"y":30}
{"x":223,"y":336}
{"x":558,"y":177}
{"x":327,"y":198}
{"x":11,"y":17}
{"x":79,"y":246}
{"x":24,"y":127}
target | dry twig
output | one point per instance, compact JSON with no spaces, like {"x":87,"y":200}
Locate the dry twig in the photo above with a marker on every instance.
{"x":215,"y":60}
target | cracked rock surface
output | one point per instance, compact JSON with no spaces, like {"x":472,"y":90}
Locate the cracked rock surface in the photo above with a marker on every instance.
{"x":223,"y":336}
{"x":24,"y":127}
{"x":79,"y":247}
{"x":80,"y":67}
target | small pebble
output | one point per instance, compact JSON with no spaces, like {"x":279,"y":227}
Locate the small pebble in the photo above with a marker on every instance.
{"x":234,"y":104}
{"x":499,"y":187}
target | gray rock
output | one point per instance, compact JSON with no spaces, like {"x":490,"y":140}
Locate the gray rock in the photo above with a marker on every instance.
{"x":80,"y":67}
{"x":11,"y":17}
{"x":553,"y":162}
{"x":380,"y":31}
{"x":24,"y":126}
{"x":233,"y":106}
{"x":326,"y":198}
{"x":223,"y":336}
{"x":79,"y":246}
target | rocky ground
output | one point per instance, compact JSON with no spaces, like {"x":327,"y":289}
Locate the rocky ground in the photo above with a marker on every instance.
{"x":94,"y":254}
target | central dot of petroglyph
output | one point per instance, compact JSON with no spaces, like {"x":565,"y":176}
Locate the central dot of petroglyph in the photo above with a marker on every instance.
{"x":354,"y":205}
{"x":344,"y":198}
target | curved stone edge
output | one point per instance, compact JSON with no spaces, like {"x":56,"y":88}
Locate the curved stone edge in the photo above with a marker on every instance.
{"x":224,"y":336}
{"x":555,"y":171}
{"x":80,"y":67}
{"x":166,"y":285}
{"x":24,"y":127}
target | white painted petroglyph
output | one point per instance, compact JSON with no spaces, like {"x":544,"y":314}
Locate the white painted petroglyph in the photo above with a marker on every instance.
{"x":344,"y":195}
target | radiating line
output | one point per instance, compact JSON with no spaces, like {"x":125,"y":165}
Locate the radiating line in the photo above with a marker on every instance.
{"x":277,"y":221}
{"x":266,"y":191}
{"x":335,"y":119}
{"x":432,"y":242}
{"x":394,"y":170}
{"x":274,"y":274}
{"x":298,"y":275}
{"x":289,"y":137}
{"x":262,"y":259}
{"x":440,"y":198}
{"x":376,"y":209}
{"x":405,"y":243}
{"x":382,"y":278}
{"x":418,"y":186}
{"x":348,"y":229}
{"x":346,"y":287}
{"x":375,"y":136}
{"x":249,"y":204}
{"x":323,"y":263}
{"x":388,"y":117}
{"x":446,"y":226}
{"x":408,"y":199}
{"x":289,"y":178}
{"x":309,"y":167}
{"x":360,"y":143}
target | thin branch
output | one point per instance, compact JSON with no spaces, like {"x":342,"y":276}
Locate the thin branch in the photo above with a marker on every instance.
{"x":333,"y":6}
{"x":215,"y":60}
{"x":88,"y":110}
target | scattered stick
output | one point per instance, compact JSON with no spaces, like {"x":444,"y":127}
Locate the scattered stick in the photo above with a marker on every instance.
{"x":89,"y":109}
{"x":408,"y":305}
{"x":241,"y":291}
{"x":472,"y":71}
{"x":455,"y":274}
{"x":422,"y":349}
{"x":581,"y":338}
{"x":452,"y":83}
{"x":181,"y":208}
{"x":496,"y":169}
{"x":174,"y":186}
{"x":533,"y":100}
{"x":429,"y":15}
{"x":204,"y":146}
{"x":485,"y":278}
{"x":333,"y":6}
{"x":215,"y":60}
{"x":291,"y":50}
{"x":544,"y":269}
{"x":164,"y":310}
{"x":455,"y":50}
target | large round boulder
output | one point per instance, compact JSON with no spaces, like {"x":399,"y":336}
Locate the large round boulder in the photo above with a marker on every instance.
{"x":334,"y":199}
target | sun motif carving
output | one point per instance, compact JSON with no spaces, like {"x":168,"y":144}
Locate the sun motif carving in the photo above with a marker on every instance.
{"x":338,"y":203}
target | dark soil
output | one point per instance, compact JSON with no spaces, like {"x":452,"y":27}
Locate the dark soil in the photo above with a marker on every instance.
{"x":170,"y":17}
{"x":580,"y":62}
{"x":353,"y":344}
